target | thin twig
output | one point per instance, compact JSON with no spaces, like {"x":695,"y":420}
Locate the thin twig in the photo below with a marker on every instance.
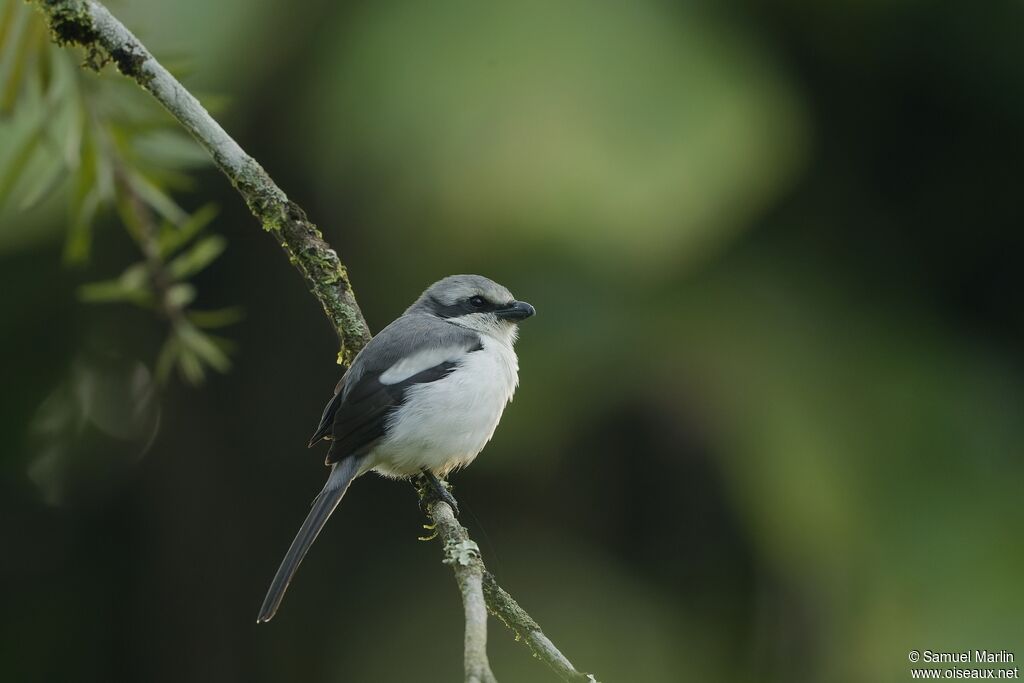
{"x":148,"y":243}
{"x":479,"y":587}
{"x":505,"y":607}
{"x":89,"y":24}
{"x":463,"y":556}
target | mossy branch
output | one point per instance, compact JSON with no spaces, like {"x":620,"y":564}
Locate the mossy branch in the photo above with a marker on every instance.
{"x":89,"y":24}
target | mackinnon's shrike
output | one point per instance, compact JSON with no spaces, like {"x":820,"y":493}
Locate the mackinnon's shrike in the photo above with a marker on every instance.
{"x":423,"y":397}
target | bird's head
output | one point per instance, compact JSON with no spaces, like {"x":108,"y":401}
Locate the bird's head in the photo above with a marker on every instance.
{"x":476,"y":303}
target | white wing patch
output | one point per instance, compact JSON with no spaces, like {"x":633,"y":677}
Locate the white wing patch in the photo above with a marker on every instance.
{"x":420,"y":361}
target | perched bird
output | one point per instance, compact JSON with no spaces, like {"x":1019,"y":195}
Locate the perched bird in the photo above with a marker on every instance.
{"x":423,"y":397}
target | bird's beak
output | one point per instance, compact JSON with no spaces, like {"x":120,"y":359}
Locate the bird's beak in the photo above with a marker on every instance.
{"x":516,"y":311}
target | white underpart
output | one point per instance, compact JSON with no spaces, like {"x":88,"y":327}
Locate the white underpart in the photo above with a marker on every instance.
{"x":418,"y":362}
{"x":443,"y":425}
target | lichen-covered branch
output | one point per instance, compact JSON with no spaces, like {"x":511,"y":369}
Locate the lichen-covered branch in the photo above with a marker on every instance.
{"x":504,"y":607}
{"x":479,"y":587}
{"x":89,"y":24}
{"x":462,"y":554}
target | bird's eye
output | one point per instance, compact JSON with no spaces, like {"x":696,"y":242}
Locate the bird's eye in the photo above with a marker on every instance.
{"x":477,"y":301}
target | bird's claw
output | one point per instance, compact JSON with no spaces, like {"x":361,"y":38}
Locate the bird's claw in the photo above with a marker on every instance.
{"x":447,"y":497}
{"x":431,"y":489}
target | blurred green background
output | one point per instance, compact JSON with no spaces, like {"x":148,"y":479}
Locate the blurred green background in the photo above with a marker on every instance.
{"x":770,"y":420}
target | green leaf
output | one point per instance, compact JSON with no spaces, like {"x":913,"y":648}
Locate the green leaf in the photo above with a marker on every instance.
{"x":92,"y":186}
{"x":190,"y":351}
{"x":189,"y":364}
{"x":109,"y":291}
{"x":200,"y":255}
{"x":19,"y":159}
{"x":193,"y":350}
{"x":181,"y":295}
{"x":155,"y":197}
{"x":7,"y":14}
{"x":52,"y":147}
{"x":132,"y":286}
{"x":16,"y":42}
{"x":224,"y":344}
{"x":103,"y":168}
{"x":129,"y":215}
{"x":76,"y":116}
{"x":78,"y":244}
{"x":173,"y":238}
{"x":82,"y":208}
{"x":136,"y":276}
{"x":166,"y":359}
{"x":42,"y":182}
{"x":104,"y":291}
{"x":221,"y":317}
{"x":49,"y":58}
{"x":204,"y":347}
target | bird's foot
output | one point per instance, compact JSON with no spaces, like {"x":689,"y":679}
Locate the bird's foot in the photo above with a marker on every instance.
{"x":430,"y":489}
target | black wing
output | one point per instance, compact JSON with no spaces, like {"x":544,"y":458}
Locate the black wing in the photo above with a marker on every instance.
{"x":358,"y":420}
{"x":354,"y":418}
{"x":323,"y":430}
{"x":355,"y":413}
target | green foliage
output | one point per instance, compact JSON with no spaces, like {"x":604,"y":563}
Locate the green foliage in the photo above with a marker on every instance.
{"x":197,"y":257}
{"x":132,"y":286}
{"x":99,"y":143}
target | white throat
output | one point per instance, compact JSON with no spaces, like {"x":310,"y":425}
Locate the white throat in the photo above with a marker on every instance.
{"x":489,"y":325}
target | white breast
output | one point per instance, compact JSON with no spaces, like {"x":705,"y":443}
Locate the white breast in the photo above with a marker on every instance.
{"x":443,"y":425}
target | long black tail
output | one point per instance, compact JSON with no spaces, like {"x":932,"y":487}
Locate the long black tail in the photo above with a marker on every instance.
{"x":341,"y":476}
